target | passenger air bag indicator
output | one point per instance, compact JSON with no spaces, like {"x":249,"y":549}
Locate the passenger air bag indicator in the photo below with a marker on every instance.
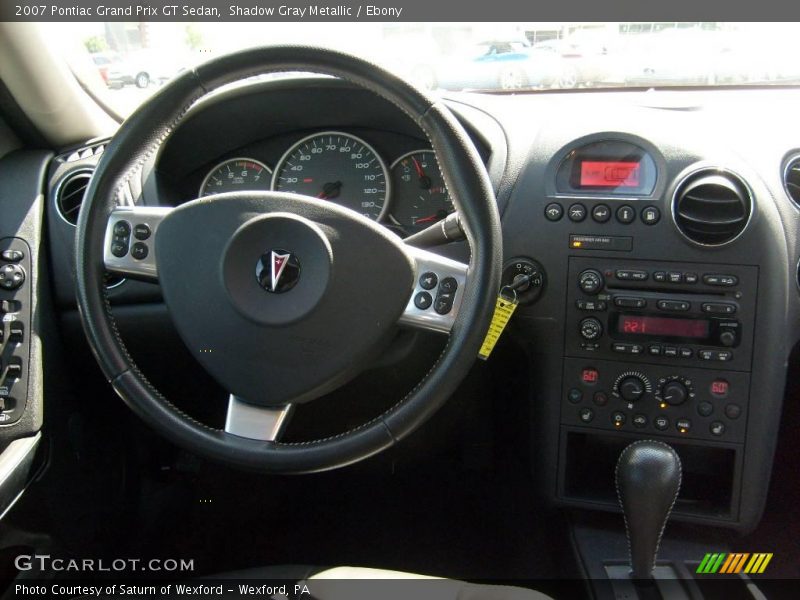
{"x":601,"y":242}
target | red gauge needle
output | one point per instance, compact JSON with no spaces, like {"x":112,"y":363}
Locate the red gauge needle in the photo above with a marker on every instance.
{"x":418,"y":167}
{"x":330,"y":190}
{"x":430,"y":218}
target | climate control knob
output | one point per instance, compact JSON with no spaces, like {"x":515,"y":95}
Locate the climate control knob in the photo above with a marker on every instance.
{"x":631,"y":388}
{"x":591,"y":328}
{"x":674,"y":390}
{"x":590,"y":281}
{"x":674,"y":393}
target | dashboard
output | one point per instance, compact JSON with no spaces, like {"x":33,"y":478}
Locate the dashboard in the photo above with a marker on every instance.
{"x":658,"y":229}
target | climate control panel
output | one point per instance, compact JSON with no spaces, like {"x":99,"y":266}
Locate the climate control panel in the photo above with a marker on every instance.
{"x":655,"y":399}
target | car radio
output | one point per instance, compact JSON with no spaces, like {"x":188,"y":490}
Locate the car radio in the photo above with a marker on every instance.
{"x":692,"y":314}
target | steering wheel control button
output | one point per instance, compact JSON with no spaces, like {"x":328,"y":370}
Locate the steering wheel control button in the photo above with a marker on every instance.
{"x":625,"y":214}
{"x":590,"y":282}
{"x":717,"y":428}
{"x":586,"y":415}
{"x":448,"y":286}
{"x":423,"y":300}
{"x":639,"y":421}
{"x":11,"y":277}
{"x":121,"y":239}
{"x":650,"y":215}
{"x":553,"y":211}
{"x":278,"y":271}
{"x":601,"y":213}
{"x":428,"y":281}
{"x":139,"y":251}
{"x":142,"y":231}
{"x":661,"y":423}
{"x":575,"y":395}
{"x":12,"y":255}
{"x":443,"y":303}
{"x":577,"y":212}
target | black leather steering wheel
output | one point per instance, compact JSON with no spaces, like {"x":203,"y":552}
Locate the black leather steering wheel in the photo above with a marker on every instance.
{"x":265,"y":288}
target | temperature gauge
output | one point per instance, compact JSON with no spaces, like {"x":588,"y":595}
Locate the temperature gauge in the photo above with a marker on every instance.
{"x":420,"y":196}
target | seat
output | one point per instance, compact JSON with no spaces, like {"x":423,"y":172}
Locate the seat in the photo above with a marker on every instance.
{"x":346,"y":583}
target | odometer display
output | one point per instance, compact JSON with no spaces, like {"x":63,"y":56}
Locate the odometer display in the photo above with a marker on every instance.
{"x":336,"y":167}
{"x":236,"y":175}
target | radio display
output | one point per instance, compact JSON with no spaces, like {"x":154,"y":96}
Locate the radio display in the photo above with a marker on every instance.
{"x":663,"y":326}
{"x":610,"y":174}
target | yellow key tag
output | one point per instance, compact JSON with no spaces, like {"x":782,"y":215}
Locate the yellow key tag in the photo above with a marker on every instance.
{"x":503,"y":310}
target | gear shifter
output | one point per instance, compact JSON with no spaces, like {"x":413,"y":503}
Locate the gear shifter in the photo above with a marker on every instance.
{"x":648,"y":479}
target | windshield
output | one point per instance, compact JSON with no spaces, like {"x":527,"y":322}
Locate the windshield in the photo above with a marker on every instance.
{"x":127,"y":62}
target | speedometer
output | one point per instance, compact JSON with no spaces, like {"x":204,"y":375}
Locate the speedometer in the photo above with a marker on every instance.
{"x":337,"y":167}
{"x":236,"y":175}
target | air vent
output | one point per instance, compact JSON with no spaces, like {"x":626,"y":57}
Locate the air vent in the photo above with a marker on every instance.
{"x":70,"y":195}
{"x":712,"y":207}
{"x":791,"y":179}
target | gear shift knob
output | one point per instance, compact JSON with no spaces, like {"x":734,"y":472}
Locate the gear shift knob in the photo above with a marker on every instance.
{"x":648,"y":479}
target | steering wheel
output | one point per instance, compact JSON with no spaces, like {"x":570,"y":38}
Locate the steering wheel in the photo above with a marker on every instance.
{"x":269,"y":290}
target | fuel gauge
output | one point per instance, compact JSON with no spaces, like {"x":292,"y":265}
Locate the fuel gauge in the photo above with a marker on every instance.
{"x":420,"y":197}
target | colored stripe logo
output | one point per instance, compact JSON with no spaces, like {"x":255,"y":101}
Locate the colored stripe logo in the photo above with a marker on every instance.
{"x":735,"y":562}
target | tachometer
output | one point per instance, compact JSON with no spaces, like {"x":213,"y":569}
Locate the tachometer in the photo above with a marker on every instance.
{"x":236,"y":175}
{"x":338,"y":167}
{"x":420,"y":197}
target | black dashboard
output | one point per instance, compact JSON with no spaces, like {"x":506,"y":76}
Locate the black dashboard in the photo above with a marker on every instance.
{"x":663,"y":237}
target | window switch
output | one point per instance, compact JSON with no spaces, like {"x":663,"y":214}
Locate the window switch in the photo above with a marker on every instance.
{"x":16,"y":333}
{"x":14,"y":371}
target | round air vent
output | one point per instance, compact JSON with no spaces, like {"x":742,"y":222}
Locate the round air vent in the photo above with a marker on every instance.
{"x":791,"y":178}
{"x":712,"y":207}
{"x":69,"y":196}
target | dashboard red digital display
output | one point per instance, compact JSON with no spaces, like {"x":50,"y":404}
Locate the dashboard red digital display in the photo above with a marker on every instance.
{"x":663,"y":326}
{"x":610,"y":174}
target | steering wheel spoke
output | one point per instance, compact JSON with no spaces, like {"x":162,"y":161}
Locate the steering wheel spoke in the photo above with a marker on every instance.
{"x":438,"y":291}
{"x":255,"y":422}
{"x":129,"y":247}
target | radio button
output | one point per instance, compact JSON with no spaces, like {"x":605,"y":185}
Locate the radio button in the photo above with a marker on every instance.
{"x":670,"y":351}
{"x":660,"y":276}
{"x":727,"y":338}
{"x":629,"y":302}
{"x":627,"y":348}
{"x":724,"y":355}
{"x":690,"y":278}
{"x":719,"y":308}
{"x":674,"y":305}
{"x":686,"y":352}
{"x":654,"y":350}
{"x":720,"y":280}
{"x":591,"y":305}
{"x":675,"y":277}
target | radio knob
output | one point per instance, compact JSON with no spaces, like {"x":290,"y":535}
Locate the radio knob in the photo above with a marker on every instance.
{"x":631,"y":388}
{"x":727,"y":338}
{"x":590,"y":281}
{"x":674,"y":393}
{"x":591,"y":328}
